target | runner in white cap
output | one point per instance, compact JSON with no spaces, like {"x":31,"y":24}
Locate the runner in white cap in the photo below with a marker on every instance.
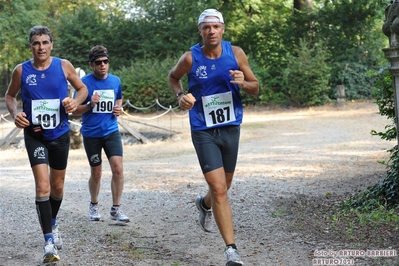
{"x":217,"y":71}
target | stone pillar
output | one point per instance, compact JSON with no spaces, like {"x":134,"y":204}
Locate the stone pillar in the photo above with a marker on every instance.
{"x":392,"y":54}
{"x":391,"y":29}
{"x":341,"y":98}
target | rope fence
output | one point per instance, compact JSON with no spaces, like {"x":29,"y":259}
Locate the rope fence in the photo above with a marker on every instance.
{"x":3,"y":117}
{"x":75,"y":121}
{"x":128,"y":104}
{"x":157,"y":103}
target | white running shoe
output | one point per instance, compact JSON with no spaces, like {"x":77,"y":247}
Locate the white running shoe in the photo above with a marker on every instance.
{"x":50,"y":252}
{"x":117,"y":214}
{"x":205,"y":216}
{"x":57,"y":237}
{"x":94,"y":215}
{"x":233,"y":258}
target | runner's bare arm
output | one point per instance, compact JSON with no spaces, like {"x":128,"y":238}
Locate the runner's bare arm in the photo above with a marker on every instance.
{"x":182,"y":67}
{"x":81,"y":89}
{"x":244,"y":77}
{"x":11,"y":102}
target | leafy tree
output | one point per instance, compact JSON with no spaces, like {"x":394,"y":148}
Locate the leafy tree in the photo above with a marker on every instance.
{"x":268,"y":31}
{"x":16,"y":18}
{"x":262,"y":36}
{"x":168,"y":28}
{"x":351,"y":31}
{"x":307,"y":75}
{"x":77,"y":34}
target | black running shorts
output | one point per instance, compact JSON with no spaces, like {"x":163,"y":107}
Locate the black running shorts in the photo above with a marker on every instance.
{"x":217,"y":147}
{"x":112,"y":145}
{"x":51,"y":152}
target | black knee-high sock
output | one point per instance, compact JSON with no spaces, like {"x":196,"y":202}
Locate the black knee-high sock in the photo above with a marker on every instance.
{"x":55,"y":206}
{"x":43,"y":208}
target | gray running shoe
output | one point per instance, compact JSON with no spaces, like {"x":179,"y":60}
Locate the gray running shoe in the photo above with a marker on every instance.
{"x":233,"y":258}
{"x":205,"y":216}
{"x":57,"y":237}
{"x":50,"y":252}
{"x":117,"y":214}
{"x":94,"y":215}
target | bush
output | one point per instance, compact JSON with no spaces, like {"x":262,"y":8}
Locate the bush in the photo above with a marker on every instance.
{"x":270,"y":91}
{"x":307,"y":75}
{"x":146,"y":81}
{"x":357,"y":80}
{"x":386,"y":192}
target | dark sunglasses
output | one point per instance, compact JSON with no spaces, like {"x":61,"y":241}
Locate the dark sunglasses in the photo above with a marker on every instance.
{"x":106,"y":61}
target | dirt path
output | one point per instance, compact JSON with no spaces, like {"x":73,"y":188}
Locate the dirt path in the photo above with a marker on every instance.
{"x":284,"y":155}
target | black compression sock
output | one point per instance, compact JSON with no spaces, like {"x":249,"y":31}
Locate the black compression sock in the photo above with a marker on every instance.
{"x":204,"y":206}
{"x":55,"y":206}
{"x":43,"y":209}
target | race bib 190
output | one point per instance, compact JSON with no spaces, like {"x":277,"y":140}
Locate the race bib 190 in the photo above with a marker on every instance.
{"x":106,"y":103}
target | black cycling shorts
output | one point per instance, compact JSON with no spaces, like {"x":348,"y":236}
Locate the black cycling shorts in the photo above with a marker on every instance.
{"x":217,"y":147}
{"x":51,"y":152}
{"x":112,"y":145}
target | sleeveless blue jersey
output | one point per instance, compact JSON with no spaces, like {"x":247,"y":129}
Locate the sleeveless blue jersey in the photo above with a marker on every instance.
{"x":44,"y":86}
{"x":100,"y":121}
{"x":209,"y":77}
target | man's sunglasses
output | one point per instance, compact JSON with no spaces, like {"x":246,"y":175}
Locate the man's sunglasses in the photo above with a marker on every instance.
{"x":99,"y":62}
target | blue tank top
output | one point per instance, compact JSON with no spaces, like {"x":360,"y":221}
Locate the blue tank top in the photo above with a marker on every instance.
{"x":218,"y":102}
{"x":101,"y":121}
{"x":42,"y":92}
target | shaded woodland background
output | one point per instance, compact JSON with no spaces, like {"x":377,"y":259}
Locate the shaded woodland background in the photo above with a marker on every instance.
{"x":299,"y":49}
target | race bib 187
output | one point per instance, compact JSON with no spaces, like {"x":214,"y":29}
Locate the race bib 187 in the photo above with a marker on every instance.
{"x":218,"y":109}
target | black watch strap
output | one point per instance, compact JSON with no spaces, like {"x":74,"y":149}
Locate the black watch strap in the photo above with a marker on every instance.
{"x":179,"y":93}
{"x":89,"y":104}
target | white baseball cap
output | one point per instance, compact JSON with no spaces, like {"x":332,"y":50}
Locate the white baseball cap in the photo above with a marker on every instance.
{"x":217,"y":16}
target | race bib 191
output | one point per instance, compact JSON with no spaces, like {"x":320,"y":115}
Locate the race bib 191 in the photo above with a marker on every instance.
{"x":46,"y":112}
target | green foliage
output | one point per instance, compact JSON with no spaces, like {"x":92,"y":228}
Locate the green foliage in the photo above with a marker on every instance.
{"x":378,"y":216}
{"x":76,"y":35}
{"x":15,"y":27}
{"x":307,"y":75}
{"x":262,"y":33}
{"x":385,"y":99}
{"x":269,"y":92}
{"x":351,"y":31}
{"x":358,"y":83}
{"x":146,"y":80}
{"x":386,"y":192}
{"x":279,"y":212}
{"x":142,"y":30}
{"x":167,"y":28}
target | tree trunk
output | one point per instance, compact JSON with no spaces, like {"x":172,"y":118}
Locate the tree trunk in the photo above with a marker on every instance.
{"x":303,"y":4}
